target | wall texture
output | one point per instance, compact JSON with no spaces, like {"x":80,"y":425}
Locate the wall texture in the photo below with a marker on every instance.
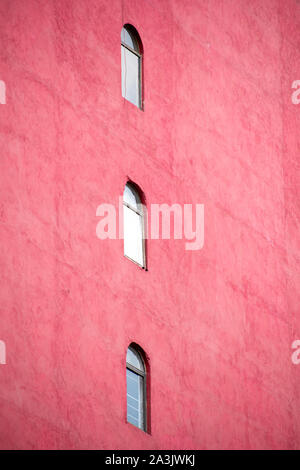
{"x":219,"y":128}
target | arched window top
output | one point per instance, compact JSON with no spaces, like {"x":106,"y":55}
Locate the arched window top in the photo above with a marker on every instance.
{"x":133,"y":358}
{"x":130,"y":38}
{"x":132,"y":197}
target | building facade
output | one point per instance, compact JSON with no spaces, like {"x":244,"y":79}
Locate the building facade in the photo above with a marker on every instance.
{"x":219,"y":126}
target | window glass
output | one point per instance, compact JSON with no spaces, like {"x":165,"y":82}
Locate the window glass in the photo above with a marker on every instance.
{"x":134,"y":359}
{"x":133,"y":235}
{"x":136,"y":388}
{"x":128,"y":39}
{"x":135,"y":414}
{"x":131,"y":197}
{"x":130,"y":76}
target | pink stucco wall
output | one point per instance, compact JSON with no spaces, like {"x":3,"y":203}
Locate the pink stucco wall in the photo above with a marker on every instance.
{"x":219,"y":128}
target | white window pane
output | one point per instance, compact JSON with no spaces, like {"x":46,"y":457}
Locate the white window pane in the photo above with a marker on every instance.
{"x":130,"y":76}
{"x":135,"y":399}
{"x":133,"y":235}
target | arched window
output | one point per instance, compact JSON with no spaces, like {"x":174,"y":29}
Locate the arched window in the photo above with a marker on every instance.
{"x":131,"y":62}
{"x":136,"y":388}
{"x":133,"y":214}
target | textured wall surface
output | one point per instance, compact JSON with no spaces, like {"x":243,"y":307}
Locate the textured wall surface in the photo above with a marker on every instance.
{"x":219,"y":128}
